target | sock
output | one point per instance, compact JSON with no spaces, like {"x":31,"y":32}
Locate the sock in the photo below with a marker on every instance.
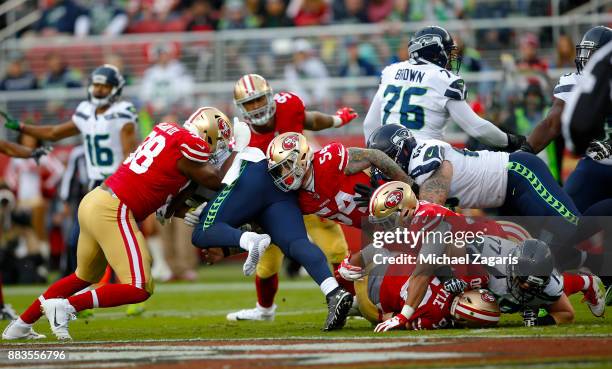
{"x":329,"y":285}
{"x":266,"y":290}
{"x":574,"y":283}
{"x":63,"y":288}
{"x":1,"y":295}
{"x":110,"y":295}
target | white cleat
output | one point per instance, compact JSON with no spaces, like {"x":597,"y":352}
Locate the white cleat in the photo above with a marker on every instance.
{"x":258,"y":313}
{"x":19,"y":330}
{"x":8,"y":313}
{"x":595,"y":297}
{"x":59,"y":312}
{"x":256,"y":244}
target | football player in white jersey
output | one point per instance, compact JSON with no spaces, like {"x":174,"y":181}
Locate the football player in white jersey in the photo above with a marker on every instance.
{"x":107,"y":124}
{"x":422,"y":94}
{"x":598,"y":173}
{"x":518,"y":184}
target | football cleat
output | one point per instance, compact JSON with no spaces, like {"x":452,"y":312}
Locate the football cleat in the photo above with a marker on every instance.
{"x":7,"y":313}
{"x":135,"y":309}
{"x":339,"y":302}
{"x":256,"y":244}
{"x":258,"y":313}
{"x":59,"y":312}
{"x":595,"y":297}
{"x":18,"y":330}
{"x":609,"y":296}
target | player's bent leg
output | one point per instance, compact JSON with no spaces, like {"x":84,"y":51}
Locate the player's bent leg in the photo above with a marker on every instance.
{"x":589,"y":183}
{"x":591,"y":287}
{"x":328,"y":236}
{"x":532,"y":191}
{"x":366,"y":307}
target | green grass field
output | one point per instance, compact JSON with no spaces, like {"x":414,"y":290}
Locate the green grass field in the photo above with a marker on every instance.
{"x":197,"y":310}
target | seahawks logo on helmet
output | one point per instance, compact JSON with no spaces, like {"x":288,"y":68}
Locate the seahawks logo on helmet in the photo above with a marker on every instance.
{"x":290,"y":142}
{"x":399,"y":136}
{"x":393,"y":199}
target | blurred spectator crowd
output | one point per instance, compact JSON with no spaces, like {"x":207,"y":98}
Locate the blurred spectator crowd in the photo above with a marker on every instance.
{"x":114,"y":17}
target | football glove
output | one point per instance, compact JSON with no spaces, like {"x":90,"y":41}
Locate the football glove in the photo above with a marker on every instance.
{"x":160,"y":214}
{"x":10,"y":122}
{"x":192,"y":217}
{"x":455,"y":286}
{"x":350,"y":272}
{"x":343,"y":116}
{"x":599,"y":150}
{"x":242,"y":136}
{"x":365,"y":193}
{"x":39,"y":152}
{"x":398,"y":321}
{"x":530,"y":318}
{"x":515,"y":142}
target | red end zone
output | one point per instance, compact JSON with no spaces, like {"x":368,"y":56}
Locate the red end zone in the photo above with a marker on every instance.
{"x":324,"y":353}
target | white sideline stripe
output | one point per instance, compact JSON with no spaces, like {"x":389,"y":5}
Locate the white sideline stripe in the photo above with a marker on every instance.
{"x":182,"y":287}
{"x":198,"y":312}
{"x":420,"y":338}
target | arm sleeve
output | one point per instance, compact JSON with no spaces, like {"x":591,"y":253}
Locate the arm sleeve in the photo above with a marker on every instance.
{"x":481,"y":129}
{"x":195,"y":149}
{"x":372,"y":119}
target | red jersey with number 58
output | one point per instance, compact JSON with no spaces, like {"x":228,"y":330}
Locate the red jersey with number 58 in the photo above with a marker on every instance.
{"x":150,"y":175}
{"x":332,"y":195}
{"x":289,"y":117}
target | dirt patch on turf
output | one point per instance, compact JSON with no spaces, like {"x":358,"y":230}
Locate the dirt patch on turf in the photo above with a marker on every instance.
{"x":314,"y":354}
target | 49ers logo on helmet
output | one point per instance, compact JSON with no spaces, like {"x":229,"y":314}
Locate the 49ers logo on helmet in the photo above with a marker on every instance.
{"x":393,"y":199}
{"x":487,"y":297}
{"x":290,"y":142}
{"x":224,"y":128}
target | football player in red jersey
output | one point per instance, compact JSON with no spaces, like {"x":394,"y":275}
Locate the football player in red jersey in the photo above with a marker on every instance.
{"x":326,"y":179}
{"x":268,"y":115}
{"x":160,"y":167}
{"x":380,"y":297}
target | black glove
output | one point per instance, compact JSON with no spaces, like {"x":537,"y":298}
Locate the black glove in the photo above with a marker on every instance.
{"x":455,"y":286}
{"x":530,"y":317}
{"x":599,"y":150}
{"x":527,"y":148}
{"x":39,"y":152}
{"x":515,"y":142}
{"x":365,"y":193}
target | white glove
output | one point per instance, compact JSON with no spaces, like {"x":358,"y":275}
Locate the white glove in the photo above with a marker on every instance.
{"x":350,"y":272}
{"x":192,"y":217}
{"x":397,"y":321}
{"x":242,"y":135}
{"x":160,"y":214}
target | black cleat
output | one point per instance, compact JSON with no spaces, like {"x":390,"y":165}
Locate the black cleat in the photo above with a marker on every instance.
{"x":339,"y":302}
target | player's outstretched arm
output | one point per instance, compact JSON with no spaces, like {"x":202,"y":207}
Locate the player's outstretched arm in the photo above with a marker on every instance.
{"x":316,"y":121}
{"x":15,"y":150}
{"x":548,"y":129}
{"x":204,"y":174}
{"x":361,"y":159}
{"x":436,"y":188}
{"x":481,"y":129}
{"x":46,"y":132}
{"x":562,"y":311}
